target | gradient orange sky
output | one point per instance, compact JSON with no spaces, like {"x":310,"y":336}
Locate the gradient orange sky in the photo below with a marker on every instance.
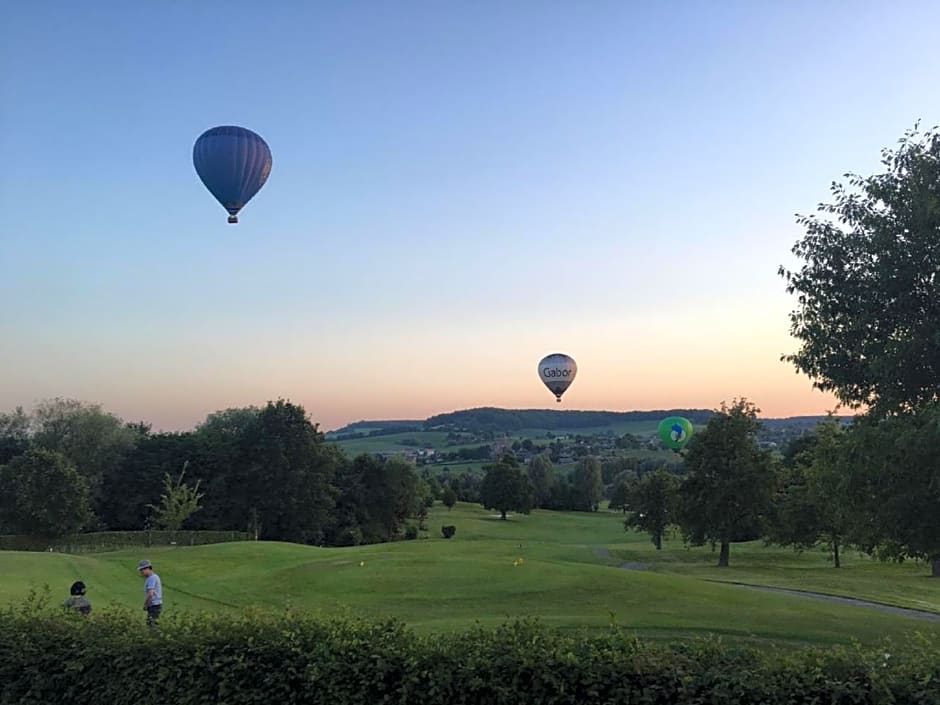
{"x":631,"y":360}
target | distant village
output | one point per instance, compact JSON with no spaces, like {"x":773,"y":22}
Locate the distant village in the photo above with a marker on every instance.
{"x":464,"y":447}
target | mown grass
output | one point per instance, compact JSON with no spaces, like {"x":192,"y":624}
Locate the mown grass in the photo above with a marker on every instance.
{"x":901,"y":585}
{"x":566,"y":578}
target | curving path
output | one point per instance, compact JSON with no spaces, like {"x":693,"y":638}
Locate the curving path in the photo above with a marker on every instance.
{"x":903,"y":611}
{"x":851,"y":601}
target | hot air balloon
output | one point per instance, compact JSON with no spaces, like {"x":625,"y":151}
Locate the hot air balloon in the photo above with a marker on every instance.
{"x":675,"y":432}
{"x":233,"y":163}
{"x":557,"y":372}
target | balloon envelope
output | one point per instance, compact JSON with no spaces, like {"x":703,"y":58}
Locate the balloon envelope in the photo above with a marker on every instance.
{"x":675,"y":432}
{"x":233,"y":163}
{"x":557,"y":372}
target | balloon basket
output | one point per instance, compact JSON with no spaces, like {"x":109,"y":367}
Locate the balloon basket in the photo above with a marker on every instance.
{"x":233,"y":219}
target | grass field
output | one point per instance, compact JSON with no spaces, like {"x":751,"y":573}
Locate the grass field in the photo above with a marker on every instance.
{"x":391,"y":442}
{"x":567,"y":579}
{"x":438,"y":440}
{"x":906,"y":585}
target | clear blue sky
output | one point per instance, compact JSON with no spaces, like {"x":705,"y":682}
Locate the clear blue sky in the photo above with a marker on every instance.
{"x":458,"y":188}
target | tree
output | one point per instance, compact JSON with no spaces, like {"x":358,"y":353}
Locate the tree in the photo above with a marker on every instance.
{"x":42,"y":494}
{"x":541,"y":474}
{"x":506,"y":488}
{"x":897,"y":477}
{"x":729,"y":481}
{"x":92,"y":439}
{"x":449,"y":497}
{"x":135,"y":483}
{"x":795,"y":448}
{"x":653,"y":501}
{"x":376,"y":497}
{"x":272,"y":468}
{"x":621,"y":493}
{"x":815,"y":498}
{"x":14,"y":434}
{"x":618,"y":468}
{"x":588,"y":485}
{"x":868,"y":317}
{"x":178,"y":502}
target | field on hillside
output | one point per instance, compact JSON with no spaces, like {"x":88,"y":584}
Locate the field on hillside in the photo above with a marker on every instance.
{"x":560,"y":567}
{"x":416,"y":440}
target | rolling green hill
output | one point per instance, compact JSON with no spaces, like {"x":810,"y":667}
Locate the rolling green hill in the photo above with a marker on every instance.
{"x":569,"y":576}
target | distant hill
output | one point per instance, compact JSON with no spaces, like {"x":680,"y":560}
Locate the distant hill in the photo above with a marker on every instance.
{"x":491,"y":419}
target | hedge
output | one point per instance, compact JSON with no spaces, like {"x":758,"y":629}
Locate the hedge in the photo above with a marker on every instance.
{"x":116,"y":540}
{"x":291,"y":659}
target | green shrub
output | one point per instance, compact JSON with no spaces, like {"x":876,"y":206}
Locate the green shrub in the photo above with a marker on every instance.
{"x":253,"y":658}
{"x":448,"y":531}
{"x":411,"y":532}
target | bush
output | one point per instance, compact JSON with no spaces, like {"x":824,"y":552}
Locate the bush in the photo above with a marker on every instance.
{"x":251,"y":658}
{"x":411,"y":532}
{"x":448,"y":531}
{"x":117,"y":540}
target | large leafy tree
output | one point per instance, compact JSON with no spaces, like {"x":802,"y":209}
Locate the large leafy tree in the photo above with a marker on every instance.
{"x":817,"y":500}
{"x":269,"y":470}
{"x":94,"y":440}
{"x":587,"y":484}
{"x":868,"y":313}
{"x":506,"y":487}
{"x":135,"y":483}
{"x":42,"y":494}
{"x":15,"y":428}
{"x":541,"y":473}
{"x":290,"y":469}
{"x":897,"y":476}
{"x":868,"y":320}
{"x":376,"y":497}
{"x":729,"y":481}
{"x":653,"y":501}
{"x":221,"y":460}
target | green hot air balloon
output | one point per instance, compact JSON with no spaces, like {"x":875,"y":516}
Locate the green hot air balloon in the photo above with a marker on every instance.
{"x":675,"y":432}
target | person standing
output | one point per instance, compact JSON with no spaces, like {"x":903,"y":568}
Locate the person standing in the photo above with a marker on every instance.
{"x":153,"y":593}
{"x":78,"y":601}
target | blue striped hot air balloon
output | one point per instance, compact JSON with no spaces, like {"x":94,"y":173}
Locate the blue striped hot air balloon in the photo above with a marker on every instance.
{"x":233,"y":163}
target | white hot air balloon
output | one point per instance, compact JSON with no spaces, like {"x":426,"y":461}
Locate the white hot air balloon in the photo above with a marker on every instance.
{"x":557,"y":372}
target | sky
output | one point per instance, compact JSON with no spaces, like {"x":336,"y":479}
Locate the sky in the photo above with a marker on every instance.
{"x":458,"y":189}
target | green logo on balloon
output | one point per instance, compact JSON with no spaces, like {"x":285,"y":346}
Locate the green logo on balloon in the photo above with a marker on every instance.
{"x":675,"y":432}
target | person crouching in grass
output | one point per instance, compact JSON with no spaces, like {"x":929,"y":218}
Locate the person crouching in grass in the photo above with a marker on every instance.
{"x":78,"y":601}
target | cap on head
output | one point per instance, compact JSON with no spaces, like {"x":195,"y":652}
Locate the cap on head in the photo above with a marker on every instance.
{"x":143,"y":565}
{"x":78,"y":588}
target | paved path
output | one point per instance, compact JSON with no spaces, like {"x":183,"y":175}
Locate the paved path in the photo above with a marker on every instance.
{"x":903,"y":611}
{"x":890,"y":609}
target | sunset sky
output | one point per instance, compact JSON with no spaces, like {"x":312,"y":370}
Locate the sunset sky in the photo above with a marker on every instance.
{"x":458,"y":189}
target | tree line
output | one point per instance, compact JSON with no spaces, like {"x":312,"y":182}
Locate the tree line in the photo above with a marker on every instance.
{"x":871,"y":486}
{"x":70,"y":466}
